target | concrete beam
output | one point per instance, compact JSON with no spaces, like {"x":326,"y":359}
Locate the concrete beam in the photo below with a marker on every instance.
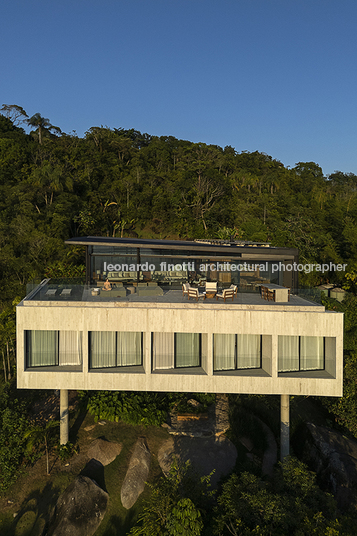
{"x":64,"y":417}
{"x":284,"y":427}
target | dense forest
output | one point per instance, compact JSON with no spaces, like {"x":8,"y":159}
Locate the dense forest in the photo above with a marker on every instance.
{"x":116,"y":182}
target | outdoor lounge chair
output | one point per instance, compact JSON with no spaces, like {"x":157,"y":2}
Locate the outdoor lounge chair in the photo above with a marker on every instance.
{"x":193,"y":293}
{"x":226,"y":294}
{"x":66,"y":292}
{"x":235,"y":288}
{"x":185,"y":288}
{"x":211,"y":286}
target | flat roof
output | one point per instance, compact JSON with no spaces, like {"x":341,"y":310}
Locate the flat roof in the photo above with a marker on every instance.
{"x":219,"y":246}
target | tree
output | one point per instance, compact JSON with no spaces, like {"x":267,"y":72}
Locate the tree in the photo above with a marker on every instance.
{"x":291,"y":504}
{"x":40,"y":436}
{"x":43,"y":125}
{"x":14,"y":112}
{"x":177,"y":505}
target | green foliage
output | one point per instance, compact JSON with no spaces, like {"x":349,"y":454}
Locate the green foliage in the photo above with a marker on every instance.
{"x":184,"y":519}
{"x":132,"y":408}
{"x":178,"y":504}
{"x":65,"y":452}
{"x":13,"y":425}
{"x":41,"y":437}
{"x":140,"y":407}
{"x":291,"y":504}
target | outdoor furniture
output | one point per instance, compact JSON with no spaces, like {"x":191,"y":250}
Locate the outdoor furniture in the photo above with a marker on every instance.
{"x":66,"y":292}
{"x":280,"y":294}
{"x":193,"y":293}
{"x":235,"y":288}
{"x":211,"y":286}
{"x":51,"y":292}
{"x":225,"y":294}
{"x":185,"y":288}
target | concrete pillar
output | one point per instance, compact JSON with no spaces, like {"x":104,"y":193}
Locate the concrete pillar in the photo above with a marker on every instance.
{"x":64,"y":417}
{"x":284,"y":426}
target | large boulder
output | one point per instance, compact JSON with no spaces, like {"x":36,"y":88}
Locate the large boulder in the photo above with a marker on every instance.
{"x":104,"y":451}
{"x":137,"y":474}
{"x":216,"y":454}
{"x":79,"y":510}
{"x":334,"y":458}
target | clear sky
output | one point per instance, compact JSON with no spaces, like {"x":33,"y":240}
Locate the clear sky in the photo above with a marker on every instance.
{"x":276,"y":76}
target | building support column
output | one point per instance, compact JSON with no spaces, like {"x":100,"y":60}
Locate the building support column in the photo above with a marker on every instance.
{"x":64,"y":417}
{"x":284,"y":426}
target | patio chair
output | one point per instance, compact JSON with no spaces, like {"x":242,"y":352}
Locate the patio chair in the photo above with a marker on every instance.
{"x":235,"y":288}
{"x":193,"y":293}
{"x":185,"y":288}
{"x":211,"y":286}
{"x":271,"y":295}
{"x":226,"y":294}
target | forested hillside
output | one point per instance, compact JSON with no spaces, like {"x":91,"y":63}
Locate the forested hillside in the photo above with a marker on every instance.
{"x":125,"y":183}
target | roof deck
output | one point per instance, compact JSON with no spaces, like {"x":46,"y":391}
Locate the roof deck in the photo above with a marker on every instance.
{"x":69,"y":294}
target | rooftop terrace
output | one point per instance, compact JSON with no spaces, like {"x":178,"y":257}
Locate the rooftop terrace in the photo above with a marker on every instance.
{"x":57,"y":293}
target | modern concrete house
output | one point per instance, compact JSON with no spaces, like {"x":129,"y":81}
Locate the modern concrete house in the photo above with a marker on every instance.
{"x":130,"y":326}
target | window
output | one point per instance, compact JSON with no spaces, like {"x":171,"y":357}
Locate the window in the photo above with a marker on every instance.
{"x":176,"y":350}
{"x":115,"y":348}
{"x":231,"y":352}
{"x":300,"y":353}
{"x":53,"y":348}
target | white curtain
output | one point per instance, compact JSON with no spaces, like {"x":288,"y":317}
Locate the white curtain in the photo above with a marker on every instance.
{"x":248,"y":351}
{"x":70,"y":348}
{"x":129,"y":350}
{"x":311,"y":353}
{"x":163,"y":351}
{"x":187,"y":348}
{"x":288,"y":353}
{"x":42,"y":348}
{"x":102,"y":349}
{"x":224,"y":351}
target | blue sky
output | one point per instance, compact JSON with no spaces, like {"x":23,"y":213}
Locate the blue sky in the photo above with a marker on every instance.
{"x":276,"y":76}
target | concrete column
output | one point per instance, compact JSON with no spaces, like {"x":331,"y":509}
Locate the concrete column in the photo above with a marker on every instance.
{"x":284,"y":426}
{"x":64,"y":417}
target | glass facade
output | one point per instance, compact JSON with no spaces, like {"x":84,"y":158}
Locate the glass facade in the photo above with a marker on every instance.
{"x":53,"y":348}
{"x":232,"y":352}
{"x":172,"y":268}
{"x":300,"y":353}
{"x":176,"y":350}
{"x":115,"y":349}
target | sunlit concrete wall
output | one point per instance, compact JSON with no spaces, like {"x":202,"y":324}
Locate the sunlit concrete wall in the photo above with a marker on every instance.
{"x":268,"y":320}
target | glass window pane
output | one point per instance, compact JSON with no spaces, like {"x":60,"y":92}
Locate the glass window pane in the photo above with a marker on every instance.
{"x":288,"y":353}
{"x":129,"y":348}
{"x":42,"y":348}
{"x":102,"y":349}
{"x":70,"y":348}
{"x":248,"y":351}
{"x":163,"y":351}
{"x":312,"y":353}
{"x":224,"y":351}
{"x":187,"y":347}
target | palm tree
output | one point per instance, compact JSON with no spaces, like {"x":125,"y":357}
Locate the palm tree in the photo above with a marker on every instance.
{"x":39,"y":435}
{"x":43,"y":125}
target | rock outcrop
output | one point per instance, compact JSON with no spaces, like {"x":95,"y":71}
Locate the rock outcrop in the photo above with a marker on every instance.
{"x":216,"y":454}
{"x":334,"y":458}
{"x":136,"y":475}
{"x":79,"y":510}
{"x":104,"y":451}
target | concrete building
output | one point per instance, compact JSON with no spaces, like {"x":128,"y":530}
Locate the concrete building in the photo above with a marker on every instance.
{"x":142,"y":333}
